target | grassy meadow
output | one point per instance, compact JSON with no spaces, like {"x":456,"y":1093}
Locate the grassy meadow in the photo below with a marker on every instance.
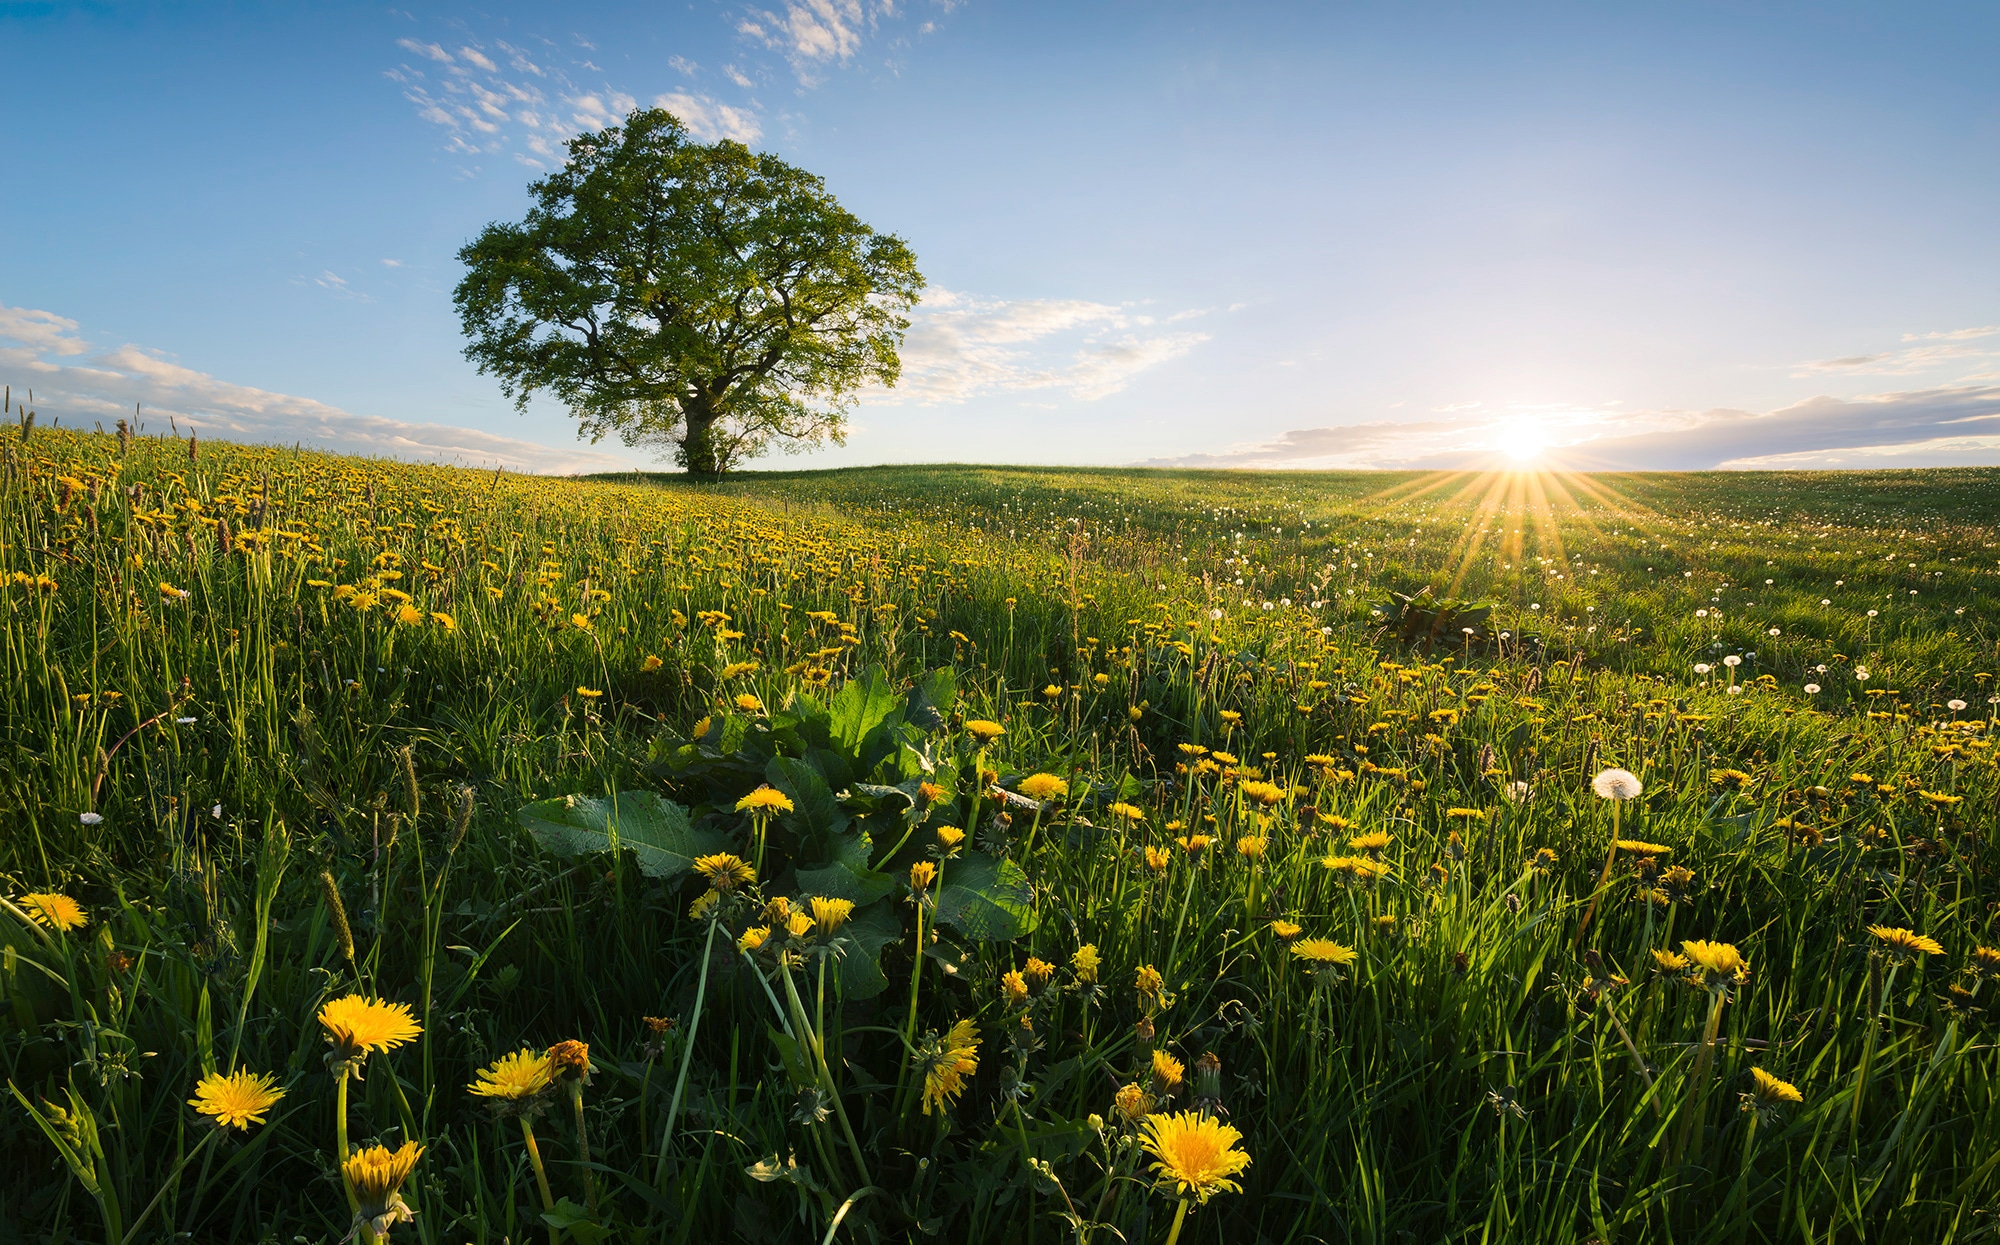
{"x":992,"y":854}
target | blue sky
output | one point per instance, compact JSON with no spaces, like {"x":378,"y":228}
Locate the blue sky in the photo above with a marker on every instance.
{"x":1255,"y":235}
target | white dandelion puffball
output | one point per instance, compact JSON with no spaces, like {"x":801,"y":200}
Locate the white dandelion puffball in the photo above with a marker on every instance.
{"x":1954,"y":705}
{"x":1701,"y":613}
{"x":1774,"y":631}
{"x":1702,"y":667}
{"x":1812,"y":689}
{"x":1871,"y":613}
{"x":1824,"y":601}
{"x":91,"y":819}
{"x":1617,"y":784}
{"x":1735,"y":690}
{"x":1861,"y":673}
{"x":1732,"y":661}
{"x":1516,"y":792}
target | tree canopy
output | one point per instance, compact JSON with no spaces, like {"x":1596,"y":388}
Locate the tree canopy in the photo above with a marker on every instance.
{"x":694,"y":295}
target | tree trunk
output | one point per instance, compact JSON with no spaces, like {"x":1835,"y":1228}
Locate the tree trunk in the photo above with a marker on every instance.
{"x":699,"y":452}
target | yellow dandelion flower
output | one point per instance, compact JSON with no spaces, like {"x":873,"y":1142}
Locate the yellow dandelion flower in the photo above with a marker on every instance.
{"x":948,"y":1062}
{"x":984,"y":731}
{"x":54,"y":910}
{"x":1373,"y":841}
{"x":1127,"y":811}
{"x":1670,"y":961}
{"x":831,"y":914}
{"x":1323,"y":953}
{"x":1131,"y":1103}
{"x":579,"y":622}
{"x":376,"y":1175}
{"x":1151,"y":987}
{"x":922,"y":874}
{"x":515,"y":1077}
{"x":1772,"y":1091}
{"x":1286,"y":930}
{"x":749,"y":704}
{"x":237,"y":1100}
{"x":1718,"y":961}
{"x":1905,"y":943}
{"x":1167,"y":1070}
{"x":724,"y":872}
{"x":1253,"y":846}
{"x":651,"y":664}
{"x":1194,"y":1154}
{"x":1158,"y":858}
{"x":408,"y":615}
{"x":798,"y":924}
{"x":1043,"y":787}
{"x":1085,"y":962}
{"x":1014,"y":988}
{"x":589,"y":693}
{"x":1264,"y":793}
{"x":765,"y":800}
{"x":949,"y":837}
{"x":754,"y":938}
{"x":1639,"y":847}
{"x":444,"y":620}
{"x":357,"y":1025}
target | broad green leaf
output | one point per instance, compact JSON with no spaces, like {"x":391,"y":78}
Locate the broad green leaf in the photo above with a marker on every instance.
{"x":861,"y":706}
{"x":844,"y":881}
{"x":867,"y":932}
{"x":930,"y":699}
{"x":815,"y":814}
{"x":655,"y":830}
{"x":985,"y":898}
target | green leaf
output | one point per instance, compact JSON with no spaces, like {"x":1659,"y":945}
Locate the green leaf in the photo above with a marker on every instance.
{"x":861,"y":706}
{"x":575,"y":1220}
{"x":841,"y":880}
{"x":985,"y":898}
{"x":793,"y":1056}
{"x":655,"y":830}
{"x":930,"y":700}
{"x":868,"y":931}
{"x":815,"y":815}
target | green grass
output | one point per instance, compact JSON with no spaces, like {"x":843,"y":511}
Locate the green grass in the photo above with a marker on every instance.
{"x":1473,"y":1076}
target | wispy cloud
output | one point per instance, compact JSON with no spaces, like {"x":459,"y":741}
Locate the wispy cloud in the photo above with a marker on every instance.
{"x":1912,"y":428}
{"x":961,"y":347}
{"x":1922,"y":352}
{"x":1952,"y":420}
{"x":503,"y":100}
{"x":80,"y":386}
{"x":811,"y":33}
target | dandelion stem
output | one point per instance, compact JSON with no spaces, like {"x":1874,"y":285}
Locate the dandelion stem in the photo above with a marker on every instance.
{"x":541,"y":1175}
{"x":1180,"y":1214}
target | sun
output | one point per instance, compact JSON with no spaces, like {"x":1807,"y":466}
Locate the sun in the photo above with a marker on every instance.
{"x":1523,"y":441}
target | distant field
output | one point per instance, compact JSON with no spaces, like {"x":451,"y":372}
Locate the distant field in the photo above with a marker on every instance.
{"x":1246,"y":836}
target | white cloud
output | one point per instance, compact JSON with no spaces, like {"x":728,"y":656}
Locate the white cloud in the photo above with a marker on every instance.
{"x":34,"y":347}
{"x":960,"y":347}
{"x":708,"y":120}
{"x":1913,"y":428}
{"x":528,"y":110}
{"x":1938,"y":350}
{"x":429,"y":50}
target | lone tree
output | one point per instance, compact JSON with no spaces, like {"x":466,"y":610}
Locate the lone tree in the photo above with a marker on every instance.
{"x":694,"y":294}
